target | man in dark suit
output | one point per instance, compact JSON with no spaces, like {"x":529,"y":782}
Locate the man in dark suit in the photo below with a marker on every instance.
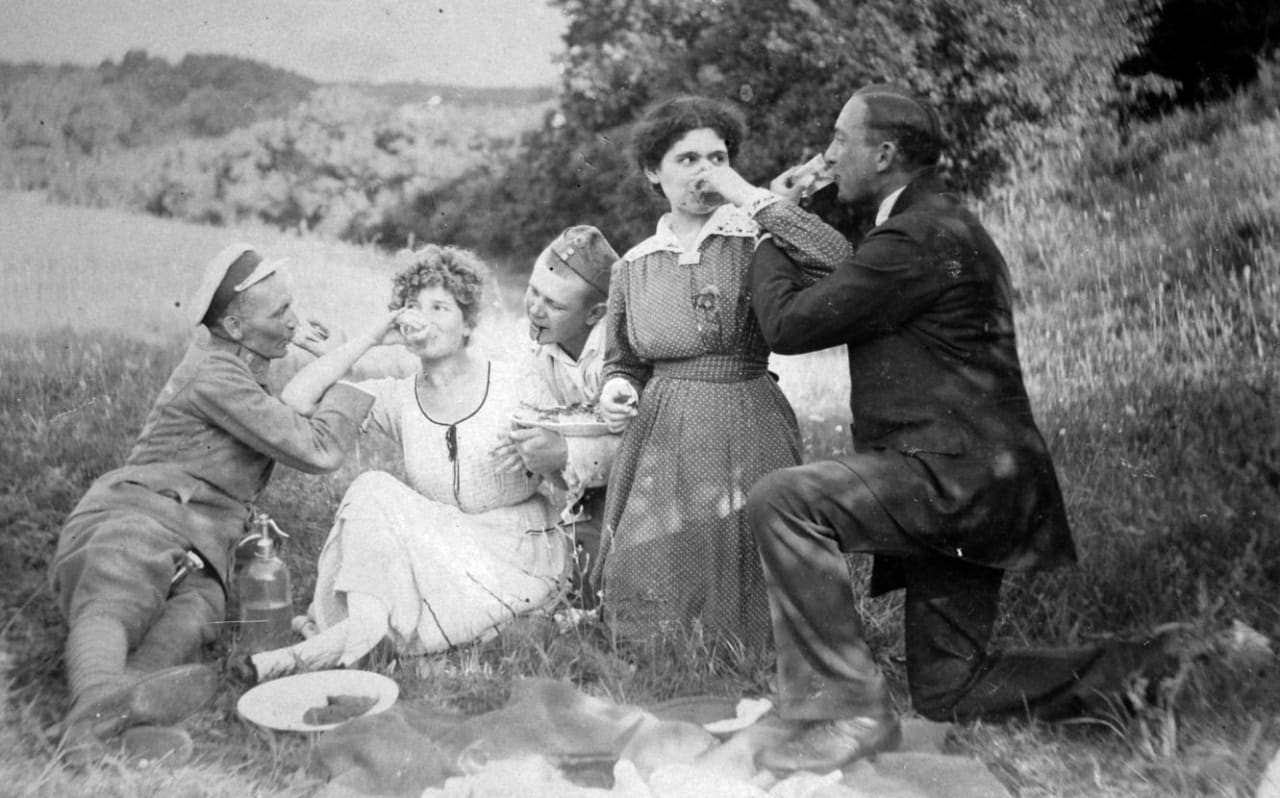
{"x":950,"y":483}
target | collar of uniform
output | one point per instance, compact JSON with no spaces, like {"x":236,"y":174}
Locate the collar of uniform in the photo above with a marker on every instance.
{"x":257,"y":364}
{"x":886,"y":207}
{"x":594,"y":345}
{"x":727,"y":220}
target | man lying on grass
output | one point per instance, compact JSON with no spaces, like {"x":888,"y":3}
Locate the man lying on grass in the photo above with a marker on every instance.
{"x":143,"y":561}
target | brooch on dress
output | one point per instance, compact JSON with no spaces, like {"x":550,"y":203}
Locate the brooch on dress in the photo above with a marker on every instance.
{"x":706,"y":306}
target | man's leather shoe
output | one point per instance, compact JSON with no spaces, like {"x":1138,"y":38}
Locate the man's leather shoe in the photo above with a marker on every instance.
{"x":161,"y":698}
{"x":828,"y":745}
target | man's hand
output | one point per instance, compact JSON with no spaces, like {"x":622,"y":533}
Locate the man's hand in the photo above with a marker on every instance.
{"x":618,"y":403}
{"x":318,"y":338}
{"x":506,"y":456}
{"x":543,"y":451}
{"x":801,"y":181}
{"x":787,"y":185}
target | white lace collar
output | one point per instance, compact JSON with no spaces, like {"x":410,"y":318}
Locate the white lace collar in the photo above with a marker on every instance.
{"x":727,"y":220}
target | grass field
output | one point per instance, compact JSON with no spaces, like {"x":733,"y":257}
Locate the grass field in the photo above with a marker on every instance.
{"x":1148,"y":323}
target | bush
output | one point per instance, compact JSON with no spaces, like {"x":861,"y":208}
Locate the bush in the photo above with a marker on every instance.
{"x":1014,"y":80}
{"x":341,"y":164}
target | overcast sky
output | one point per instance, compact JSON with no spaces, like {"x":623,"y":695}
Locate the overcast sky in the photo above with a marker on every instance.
{"x":470,"y":42}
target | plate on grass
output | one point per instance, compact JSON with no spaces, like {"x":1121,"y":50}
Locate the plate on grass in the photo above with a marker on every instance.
{"x":282,"y":704}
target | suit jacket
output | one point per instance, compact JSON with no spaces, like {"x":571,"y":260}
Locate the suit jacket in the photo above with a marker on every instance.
{"x":925,"y":307}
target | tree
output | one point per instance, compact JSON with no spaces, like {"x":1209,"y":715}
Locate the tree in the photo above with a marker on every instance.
{"x":1207,"y":48}
{"x":1014,"y":76}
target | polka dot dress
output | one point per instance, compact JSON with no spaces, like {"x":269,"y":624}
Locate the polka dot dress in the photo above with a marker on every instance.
{"x":676,"y":546}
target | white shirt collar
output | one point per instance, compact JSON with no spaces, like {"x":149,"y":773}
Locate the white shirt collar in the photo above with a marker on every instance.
{"x":886,"y":207}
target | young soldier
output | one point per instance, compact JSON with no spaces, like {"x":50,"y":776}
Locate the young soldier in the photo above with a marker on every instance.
{"x":565,"y":302}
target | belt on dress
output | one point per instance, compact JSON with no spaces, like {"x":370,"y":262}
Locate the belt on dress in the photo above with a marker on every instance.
{"x":711,"y":368}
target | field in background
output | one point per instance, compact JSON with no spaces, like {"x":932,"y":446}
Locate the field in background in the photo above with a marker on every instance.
{"x":90,"y":324}
{"x":91,"y":270}
{"x":1148,"y":325}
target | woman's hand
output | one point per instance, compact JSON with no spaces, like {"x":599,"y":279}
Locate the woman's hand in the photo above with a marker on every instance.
{"x":618,"y":403}
{"x":723,"y":180}
{"x":388,"y":328}
{"x":318,"y":338}
{"x":304,"y":390}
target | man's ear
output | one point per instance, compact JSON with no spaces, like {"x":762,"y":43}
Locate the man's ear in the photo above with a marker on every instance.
{"x":596,"y":313}
{"x":886,"y":156}
{"x":232,"y":326}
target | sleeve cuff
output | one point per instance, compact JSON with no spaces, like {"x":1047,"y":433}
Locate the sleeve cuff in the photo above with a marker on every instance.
{"x":759,"y":199}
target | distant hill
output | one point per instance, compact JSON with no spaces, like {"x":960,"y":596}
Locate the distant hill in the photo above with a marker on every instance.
{"x":412,"y":93}
{"x":53,"y":116}
{"x":141,"y":100}
{"x":145,"y":99}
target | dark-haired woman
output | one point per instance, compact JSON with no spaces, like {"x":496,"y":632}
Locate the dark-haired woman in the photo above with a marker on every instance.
{"x":686,"y":375}
{"x":462,"y":548}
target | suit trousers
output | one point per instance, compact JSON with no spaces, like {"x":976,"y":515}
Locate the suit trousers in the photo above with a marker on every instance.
{"x":806,"y":519}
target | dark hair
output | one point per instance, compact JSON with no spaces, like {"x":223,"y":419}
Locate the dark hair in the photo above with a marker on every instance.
{"x":459,"y":271}
{"x":665,"y":122}
{"x":895,"y":114}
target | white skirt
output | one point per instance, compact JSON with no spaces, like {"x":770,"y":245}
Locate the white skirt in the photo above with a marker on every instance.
{"x":447,"y":577}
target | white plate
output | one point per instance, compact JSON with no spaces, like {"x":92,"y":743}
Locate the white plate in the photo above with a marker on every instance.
{"x":574,"y":429}
{"x":281,"y":703}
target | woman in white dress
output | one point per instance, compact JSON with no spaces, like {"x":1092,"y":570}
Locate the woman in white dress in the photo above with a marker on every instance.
{"x":464,"y":546}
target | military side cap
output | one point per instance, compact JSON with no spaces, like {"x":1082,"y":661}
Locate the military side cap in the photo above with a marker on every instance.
{"x":584,"y":249}
{"x":231,"y":272}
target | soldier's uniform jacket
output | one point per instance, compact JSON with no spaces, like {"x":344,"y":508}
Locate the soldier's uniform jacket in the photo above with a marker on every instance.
{"x":208,"y":448}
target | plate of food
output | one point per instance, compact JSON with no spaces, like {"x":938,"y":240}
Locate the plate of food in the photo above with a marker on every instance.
{"x":582,"y":421}
{"x":317,"y":701}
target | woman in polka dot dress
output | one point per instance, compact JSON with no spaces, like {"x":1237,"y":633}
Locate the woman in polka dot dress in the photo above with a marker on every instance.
{"x":686,"y":374}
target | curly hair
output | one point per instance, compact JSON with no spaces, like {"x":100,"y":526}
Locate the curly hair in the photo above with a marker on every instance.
{"x":665,"y":122}
{"x":459,"y":271}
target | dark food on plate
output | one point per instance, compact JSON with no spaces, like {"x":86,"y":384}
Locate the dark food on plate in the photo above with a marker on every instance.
{"x":339,"y":708}
{"x":566,"y":414}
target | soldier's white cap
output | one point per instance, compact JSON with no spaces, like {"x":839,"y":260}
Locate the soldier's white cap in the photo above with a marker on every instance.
{"x":231,"y":272}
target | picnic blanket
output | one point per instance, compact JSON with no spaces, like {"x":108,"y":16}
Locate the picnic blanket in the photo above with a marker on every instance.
{"x":553,"y":740}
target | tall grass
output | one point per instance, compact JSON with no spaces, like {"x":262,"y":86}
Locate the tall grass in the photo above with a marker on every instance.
{"x":1148,"y":328}
{"x":1148,"y":322}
